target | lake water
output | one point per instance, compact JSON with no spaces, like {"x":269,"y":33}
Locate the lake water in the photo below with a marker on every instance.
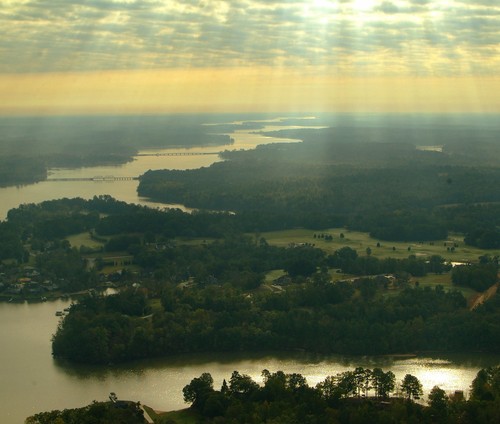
{"x":126,"y":191}
{"x":32,"y":381}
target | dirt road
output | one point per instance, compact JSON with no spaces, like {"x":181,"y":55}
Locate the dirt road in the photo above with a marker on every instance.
{"x":483,"y":297}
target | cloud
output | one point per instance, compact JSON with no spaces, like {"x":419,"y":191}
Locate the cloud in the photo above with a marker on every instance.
{"x":387,"y":7}
{"x":414,"y":37}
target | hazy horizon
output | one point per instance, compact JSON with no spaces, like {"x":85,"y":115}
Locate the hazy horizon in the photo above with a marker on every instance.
{"x":152,"y":56}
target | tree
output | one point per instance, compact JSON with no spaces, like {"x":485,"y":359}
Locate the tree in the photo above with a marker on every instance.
{"x":362,"y":378}
{"x":383,"y":382}
{"x":346,"y":383}
{"x":198,"y":391}
{"x":437,"y":264}
{"x":295,"y":382}
{"x":412,"y":387}
{"x":438,"y":402}
{"x":486,"y":385}
{"x":300,"y":266}
{"x":241,"y":384}
{"x":329,"y":389}
{"x":274,"y":384}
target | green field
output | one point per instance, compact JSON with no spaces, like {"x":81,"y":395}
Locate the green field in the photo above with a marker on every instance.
{"x":83,"y":239}
{"x":433,"y":280}
{"x":361,"y":241}
{"x":355,"y":239}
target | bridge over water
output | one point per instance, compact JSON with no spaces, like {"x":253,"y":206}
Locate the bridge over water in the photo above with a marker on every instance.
{"x":97,"y":178}
{"x":179,"y":154}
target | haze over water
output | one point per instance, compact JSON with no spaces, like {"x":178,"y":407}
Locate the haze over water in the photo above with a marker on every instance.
{"x":126,"y":190}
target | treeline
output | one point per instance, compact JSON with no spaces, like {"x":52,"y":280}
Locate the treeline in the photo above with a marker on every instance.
{"x":317,"y":317}
{"x":348,"y":260}
{"x":107,"y":217}
{"x":391,"y":190}
{"x":55,"y":219}
{"x":360,"y":395}
{"x":478,"y":276}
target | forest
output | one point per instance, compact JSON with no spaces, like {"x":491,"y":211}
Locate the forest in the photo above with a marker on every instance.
{"x":198,"y":282}
{"x":316,"y":317}
{"x":393,"y":189}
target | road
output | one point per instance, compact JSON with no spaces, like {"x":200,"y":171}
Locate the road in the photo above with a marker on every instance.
{"x":484,"y":296}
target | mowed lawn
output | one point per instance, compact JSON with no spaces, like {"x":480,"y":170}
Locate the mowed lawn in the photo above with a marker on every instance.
{"x":361,"y":241}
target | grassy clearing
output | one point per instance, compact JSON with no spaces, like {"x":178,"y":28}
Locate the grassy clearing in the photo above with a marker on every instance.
{"x":361,"y":241}
{"x":273,"y":275}
{"x":433,"y":280}
{"x":83,"y":239}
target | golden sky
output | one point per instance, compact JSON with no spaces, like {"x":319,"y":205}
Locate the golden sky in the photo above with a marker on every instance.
{"x":153,"y":56}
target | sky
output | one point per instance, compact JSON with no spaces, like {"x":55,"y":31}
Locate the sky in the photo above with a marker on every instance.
{"x":156,"y":56}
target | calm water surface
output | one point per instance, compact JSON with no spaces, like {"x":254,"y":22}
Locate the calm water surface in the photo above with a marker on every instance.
{"x":32,"y":381}
{"x":12,"y":197}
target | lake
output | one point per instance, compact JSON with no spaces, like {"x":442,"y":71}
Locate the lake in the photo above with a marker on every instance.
{"x":32,"y":381}
{"x":126,"y":191}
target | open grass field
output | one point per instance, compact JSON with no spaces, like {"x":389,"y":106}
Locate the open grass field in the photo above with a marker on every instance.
{"x":361,"y":241}
{"x":433,"y":280}
{"x":83,"y":239}
{"x":355,"y":239}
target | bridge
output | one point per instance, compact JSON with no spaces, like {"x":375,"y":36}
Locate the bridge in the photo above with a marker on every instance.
{"x":97,"y":178}
{"x":179,"y":154}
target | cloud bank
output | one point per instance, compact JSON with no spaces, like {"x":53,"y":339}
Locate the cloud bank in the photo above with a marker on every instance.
{"x":417,"y":38}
